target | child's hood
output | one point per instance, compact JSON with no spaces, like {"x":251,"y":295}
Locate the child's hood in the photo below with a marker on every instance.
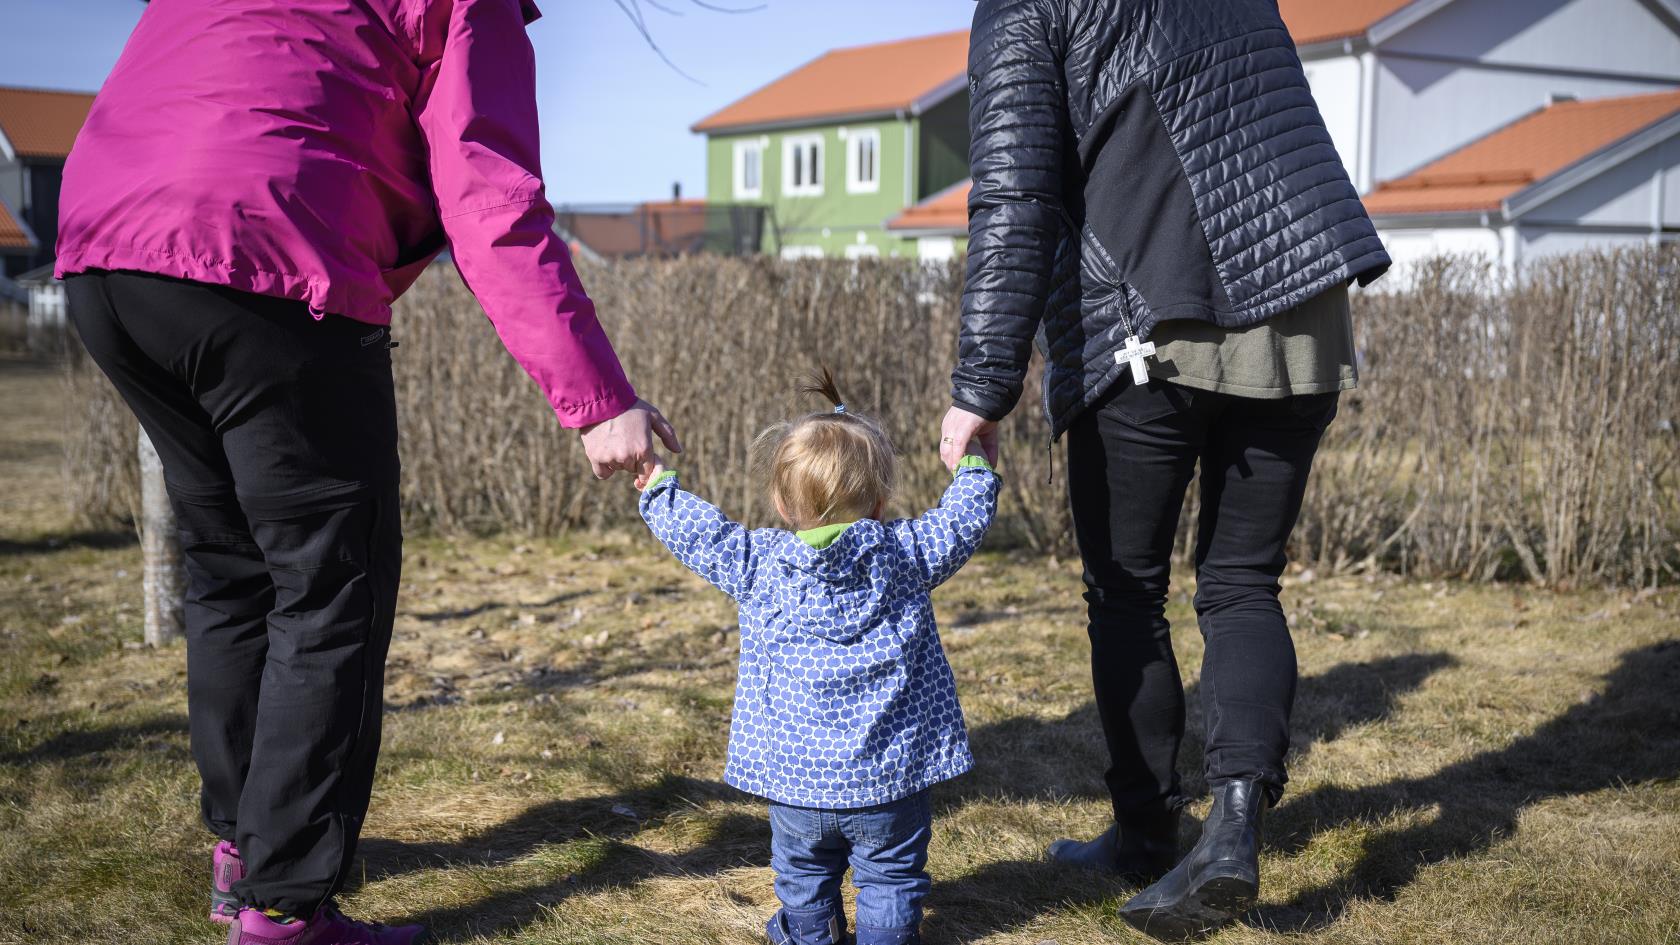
{"x":846,"y":584}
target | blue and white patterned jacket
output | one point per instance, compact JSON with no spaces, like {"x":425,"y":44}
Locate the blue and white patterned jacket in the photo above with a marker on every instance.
{"x":844,"y":697}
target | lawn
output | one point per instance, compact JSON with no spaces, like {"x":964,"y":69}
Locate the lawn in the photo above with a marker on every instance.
{"x":1471,"y":764}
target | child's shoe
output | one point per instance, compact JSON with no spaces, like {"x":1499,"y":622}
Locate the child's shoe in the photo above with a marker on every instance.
{"x":329,"y":927}
{"x":226,"y":868}
{"x":821,"y":928}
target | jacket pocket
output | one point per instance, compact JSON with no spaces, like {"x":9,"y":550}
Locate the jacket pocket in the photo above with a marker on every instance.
{"x":1106,"y":312}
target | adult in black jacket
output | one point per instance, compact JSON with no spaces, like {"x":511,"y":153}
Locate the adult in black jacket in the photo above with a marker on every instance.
{"x":1156,"y":175}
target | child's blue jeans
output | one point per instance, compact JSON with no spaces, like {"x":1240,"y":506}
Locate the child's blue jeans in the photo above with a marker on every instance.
{"x":885,"y":846}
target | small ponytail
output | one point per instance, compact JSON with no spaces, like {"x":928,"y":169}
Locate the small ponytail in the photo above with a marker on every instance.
{"x":821,"y":382}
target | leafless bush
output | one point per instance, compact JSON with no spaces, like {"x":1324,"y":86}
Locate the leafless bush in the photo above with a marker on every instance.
{"x":719,"y":344}
{"x":1501,"y":430}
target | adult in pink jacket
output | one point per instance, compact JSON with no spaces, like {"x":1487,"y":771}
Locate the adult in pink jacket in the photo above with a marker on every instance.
{"x":255,"y":185}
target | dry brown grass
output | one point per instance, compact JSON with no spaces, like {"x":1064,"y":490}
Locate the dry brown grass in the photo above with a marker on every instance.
{"x":1473,"y":763}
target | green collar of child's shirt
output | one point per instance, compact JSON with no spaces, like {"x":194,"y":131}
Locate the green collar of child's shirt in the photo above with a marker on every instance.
{"x":823,"y":535}
{"x":663,"y":475}
{"x":972,"y":461}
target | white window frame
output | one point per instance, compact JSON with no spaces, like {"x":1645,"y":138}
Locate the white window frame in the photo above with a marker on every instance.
{"x":793,"y":149}
{"x":855,"y":139}
{"x":742,"y":148}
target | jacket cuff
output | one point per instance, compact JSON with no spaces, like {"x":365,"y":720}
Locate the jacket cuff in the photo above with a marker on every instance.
{"x":664,"y":476}
{"x":983,"y":407}
{"x":575,"y":416}
{"x":971,"y":461}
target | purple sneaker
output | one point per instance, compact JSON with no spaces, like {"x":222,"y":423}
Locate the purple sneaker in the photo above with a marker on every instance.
{"x":329,"y":927}
{"x":226,"y":868}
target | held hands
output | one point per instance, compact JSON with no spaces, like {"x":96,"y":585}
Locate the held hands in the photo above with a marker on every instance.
{"x":959,"y":429}
{"x":626,"y":442}
{"x":649,"y":474}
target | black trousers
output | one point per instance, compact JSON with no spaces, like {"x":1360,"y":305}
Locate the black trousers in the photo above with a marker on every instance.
{"x":279,"y":445}
{"x":1130,"y":458}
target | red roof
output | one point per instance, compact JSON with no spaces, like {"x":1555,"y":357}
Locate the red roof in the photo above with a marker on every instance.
{"x":1320,"y":21}
{"x":862,"y":80}
{"x":656,"y":228}
{"x":1484,"y":173}
{"x":41,"y":123}
{"x":12,"y":234}
{"x":946,"y":210}
{"x":890,"y":77}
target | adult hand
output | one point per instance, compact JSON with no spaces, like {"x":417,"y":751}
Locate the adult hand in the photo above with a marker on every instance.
{"x":626,"y":441}
{"x":959,"y":428}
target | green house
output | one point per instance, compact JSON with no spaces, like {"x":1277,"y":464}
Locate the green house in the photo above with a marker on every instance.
{"x":853,"y":151}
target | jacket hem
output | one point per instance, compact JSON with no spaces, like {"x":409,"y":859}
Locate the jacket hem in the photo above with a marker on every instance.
{"x":928,"y":779}
{"x":241,"y":277}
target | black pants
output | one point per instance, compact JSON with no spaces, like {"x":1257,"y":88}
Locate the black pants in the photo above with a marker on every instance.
{"x":1130,"y":458}
{"x":279,"y":445}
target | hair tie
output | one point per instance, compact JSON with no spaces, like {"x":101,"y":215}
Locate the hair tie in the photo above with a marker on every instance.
{"x":839,"y":408}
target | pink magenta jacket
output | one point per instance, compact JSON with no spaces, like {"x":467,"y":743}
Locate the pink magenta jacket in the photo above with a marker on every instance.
{"x":326,"y":152}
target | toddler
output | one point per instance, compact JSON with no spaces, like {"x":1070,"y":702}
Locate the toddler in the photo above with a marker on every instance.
{"x":845,"y":708}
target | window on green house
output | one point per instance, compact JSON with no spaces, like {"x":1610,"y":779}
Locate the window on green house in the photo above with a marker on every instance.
{"x":863,"y":161}
{"x":749,"y":169}
{"x":802,"y":161}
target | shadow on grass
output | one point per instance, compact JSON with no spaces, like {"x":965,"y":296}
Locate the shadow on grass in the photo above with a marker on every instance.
{"x":78,"y":744}
{"x":1627,"y":735}
{"x":444,"y":616}
{"x":1028,"y":759}
{"x":1031,"y":760}
{"x":99,"y":539}
{"x":727,"y":842}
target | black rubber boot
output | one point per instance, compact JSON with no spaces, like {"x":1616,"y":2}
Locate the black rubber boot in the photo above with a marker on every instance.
{"x":1218,"y":881}
{"x":1139,"y":850}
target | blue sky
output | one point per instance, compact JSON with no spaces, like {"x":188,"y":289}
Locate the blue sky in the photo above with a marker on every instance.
{"x":615,"y":119}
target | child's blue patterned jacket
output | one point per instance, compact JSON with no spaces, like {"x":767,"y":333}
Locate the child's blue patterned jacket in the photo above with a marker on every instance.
{"x":844,"y":697}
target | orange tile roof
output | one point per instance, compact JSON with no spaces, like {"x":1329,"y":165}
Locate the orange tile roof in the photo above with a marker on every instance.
{"x":862,"y":80}
{"x":886,"y":77}
{"x":41,"y":123}
{"x":1319,"y":21}
{"x":1483,"y":173}
{"x":946,"y":210}
{"x":12,"y":234}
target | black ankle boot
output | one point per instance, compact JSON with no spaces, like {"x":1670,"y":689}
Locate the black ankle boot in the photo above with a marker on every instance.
{"x":1218,"y":881}
{"x":1137,"y":849}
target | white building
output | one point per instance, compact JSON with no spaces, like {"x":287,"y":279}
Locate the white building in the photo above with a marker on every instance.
{"x":1570,"y":176}
{"x":1442,"y":111}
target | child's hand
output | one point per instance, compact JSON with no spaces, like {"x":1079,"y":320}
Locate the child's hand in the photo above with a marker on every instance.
{"x":650,"y":471}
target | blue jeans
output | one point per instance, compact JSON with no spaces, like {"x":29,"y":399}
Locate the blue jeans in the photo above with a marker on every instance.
{"x":886,"y":847}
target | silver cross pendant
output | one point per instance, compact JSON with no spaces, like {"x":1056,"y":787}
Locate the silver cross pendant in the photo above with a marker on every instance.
{"x":1135,"y":353}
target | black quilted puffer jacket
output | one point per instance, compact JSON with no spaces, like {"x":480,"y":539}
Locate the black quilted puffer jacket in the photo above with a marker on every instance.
{"x":1136,"y":161}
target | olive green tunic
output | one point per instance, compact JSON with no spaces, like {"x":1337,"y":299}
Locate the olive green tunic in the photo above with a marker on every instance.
{"x":1306,"y":350}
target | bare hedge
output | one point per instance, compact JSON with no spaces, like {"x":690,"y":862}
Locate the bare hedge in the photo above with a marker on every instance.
{"x":1514,"y":430}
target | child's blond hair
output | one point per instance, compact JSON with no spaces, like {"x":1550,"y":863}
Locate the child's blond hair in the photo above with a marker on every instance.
{"x":827,"y":468}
